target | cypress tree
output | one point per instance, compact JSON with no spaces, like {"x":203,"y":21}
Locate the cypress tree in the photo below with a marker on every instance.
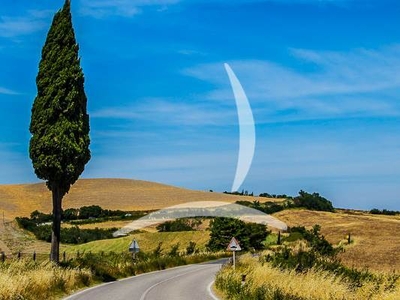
{"x":59,"y":145}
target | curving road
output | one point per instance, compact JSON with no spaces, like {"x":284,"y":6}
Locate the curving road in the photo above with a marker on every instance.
{"x":187,"y":282}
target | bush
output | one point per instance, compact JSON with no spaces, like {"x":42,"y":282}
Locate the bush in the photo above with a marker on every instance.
{"x":249,"y":235}
{"x":191,"y":248}
{"x":175,"y":225}
{"x":313,"y":202}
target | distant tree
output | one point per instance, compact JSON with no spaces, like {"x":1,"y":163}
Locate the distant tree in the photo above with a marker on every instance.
{"x":313,"y":202}
{"x":59,"y":146}
{"x":70,"y":214}
{"x":175,"y":225}
{"x":92,"y":211}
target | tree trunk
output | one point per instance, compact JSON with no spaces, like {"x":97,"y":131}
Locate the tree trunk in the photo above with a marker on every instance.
{"x":56,"y":227}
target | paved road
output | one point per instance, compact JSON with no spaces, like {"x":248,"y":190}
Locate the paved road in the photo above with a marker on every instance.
{"x":183,"y":283}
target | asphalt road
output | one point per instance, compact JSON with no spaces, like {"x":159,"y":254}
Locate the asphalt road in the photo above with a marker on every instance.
{"x":191,"y":282}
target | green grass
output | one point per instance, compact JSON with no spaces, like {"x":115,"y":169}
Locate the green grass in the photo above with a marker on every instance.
{"x":148,"y":241}
{"x":271,"y":239}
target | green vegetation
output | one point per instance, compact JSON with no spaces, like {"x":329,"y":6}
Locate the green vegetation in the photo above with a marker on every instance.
{"x":250,"y":235}
{"x":266,"y":207}
{"x":38,"y":224}
{"x":267,"y":195}
{"x":59,"y":146}
{"x":313,"y":202}
{"x":305,"y":200}
{"x":376,"y":211}
{"x":184,"y":224}
{"x":242,"y":193}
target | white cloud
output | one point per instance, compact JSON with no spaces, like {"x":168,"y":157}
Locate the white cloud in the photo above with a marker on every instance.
{"x":326,"y":83}
{"x":7,"y":91}
{"x":18,"y":26}
{"x":166,"y":112}
{"x":124,"y":8}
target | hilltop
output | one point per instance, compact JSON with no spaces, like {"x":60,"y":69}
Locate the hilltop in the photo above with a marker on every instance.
{"x":124,"y":194}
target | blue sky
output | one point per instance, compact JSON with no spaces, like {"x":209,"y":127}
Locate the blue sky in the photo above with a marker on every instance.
{"x":322,"y":77}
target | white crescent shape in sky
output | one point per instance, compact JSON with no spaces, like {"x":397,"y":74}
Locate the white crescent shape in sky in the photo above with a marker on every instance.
{"x":247,"y":133}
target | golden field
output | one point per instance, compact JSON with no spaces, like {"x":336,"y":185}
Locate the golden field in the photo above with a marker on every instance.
{"x":124,"y":194}
{"x":313,"y":284}
{"x":376,"y":239}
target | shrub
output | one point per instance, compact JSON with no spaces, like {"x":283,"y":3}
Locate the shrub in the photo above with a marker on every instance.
{"x":313,"y":202}
{"x":175,"y":225}
{"x":249,"y":235}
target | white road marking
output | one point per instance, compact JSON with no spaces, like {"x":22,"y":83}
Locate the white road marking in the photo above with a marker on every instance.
{"x":210,"y":292}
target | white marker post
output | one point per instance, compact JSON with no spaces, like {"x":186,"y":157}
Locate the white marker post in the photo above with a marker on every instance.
{"x":234,"y":246}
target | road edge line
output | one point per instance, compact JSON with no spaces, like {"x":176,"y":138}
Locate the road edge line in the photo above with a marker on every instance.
{"x":210,"y":292}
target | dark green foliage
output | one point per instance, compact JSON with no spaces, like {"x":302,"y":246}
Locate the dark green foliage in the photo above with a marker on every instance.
{"x":40,"y":217}
{"x":266,"y":207}
{"x":93,"y":211}
{"x":70,"y":214}
{"x":59,"y":146}
{"x":184,"y":224}
{"x":317,"y":241}
{"x":174,"y":250}
{"x":249,"y":235}
{"x":26,"y":223}
{"x":71,"y":235}
{"x":305,"y":200}
{"x":282,"y":196}
{"x":313,"y":202}
{"x":242,"y":193}
{"x":376,"y":211}
{"x":85,"y":215}
{"x":191,"y":248}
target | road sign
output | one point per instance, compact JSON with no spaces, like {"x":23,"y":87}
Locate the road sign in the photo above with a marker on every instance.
{"x":233,"y":245}
{"x":134,"y":247}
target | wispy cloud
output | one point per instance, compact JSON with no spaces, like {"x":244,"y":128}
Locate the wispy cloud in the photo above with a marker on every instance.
{"x":163,"y":111}
{"x":326,"y":82}
{"x":34,"y":21}
{"x":7,"y":91}
{"x":123,"y":8}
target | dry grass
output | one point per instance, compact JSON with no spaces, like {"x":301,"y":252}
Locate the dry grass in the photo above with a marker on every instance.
{"x":314,"y":284}
{"x":26,"y":280}
{"x":123,"y":194}
{"x":376,"y":242}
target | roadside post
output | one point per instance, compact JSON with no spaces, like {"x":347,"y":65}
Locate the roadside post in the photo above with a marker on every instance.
{"x":134,"y":248}
{"x":234,"y":246}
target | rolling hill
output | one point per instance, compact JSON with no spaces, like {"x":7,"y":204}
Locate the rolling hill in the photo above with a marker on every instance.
{"x":375,"y":242}
{"x":123,"y":194}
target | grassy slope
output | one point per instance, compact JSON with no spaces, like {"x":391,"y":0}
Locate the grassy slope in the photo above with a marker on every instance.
{"x":124,"y":194}
{"x":148,"y":241}
{"x":376,"y":240}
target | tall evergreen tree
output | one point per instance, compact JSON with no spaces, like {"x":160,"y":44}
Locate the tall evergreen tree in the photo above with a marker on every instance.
{"x":59,"y":146}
